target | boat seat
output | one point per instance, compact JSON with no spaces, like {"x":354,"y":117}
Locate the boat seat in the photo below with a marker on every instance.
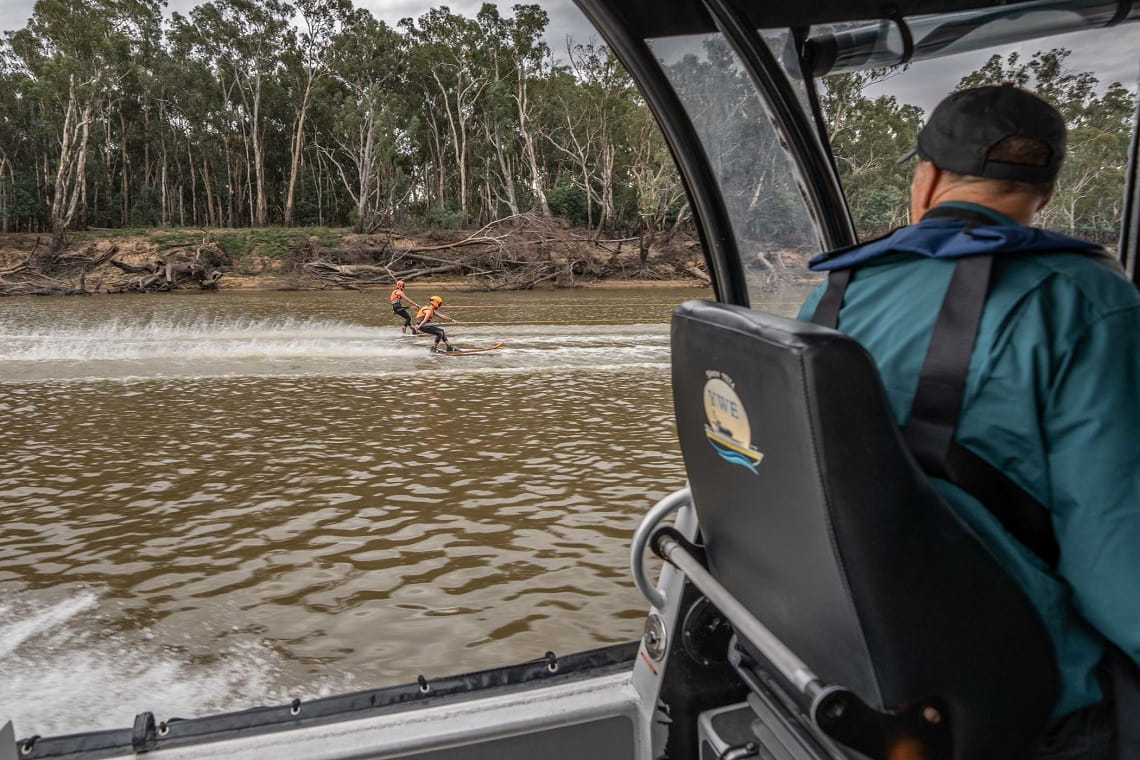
{"x":814,"y":515}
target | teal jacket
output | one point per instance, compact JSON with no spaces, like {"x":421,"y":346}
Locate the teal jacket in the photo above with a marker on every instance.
{"x":1052,"y":399}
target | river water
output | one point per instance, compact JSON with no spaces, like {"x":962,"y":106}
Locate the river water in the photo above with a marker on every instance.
{"x":211,"y":501}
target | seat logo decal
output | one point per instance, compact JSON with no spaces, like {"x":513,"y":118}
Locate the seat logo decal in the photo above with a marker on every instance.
{"x":728,"y":429}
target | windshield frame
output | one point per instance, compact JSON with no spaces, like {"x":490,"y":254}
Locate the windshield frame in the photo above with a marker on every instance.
{"x":802,"y":132}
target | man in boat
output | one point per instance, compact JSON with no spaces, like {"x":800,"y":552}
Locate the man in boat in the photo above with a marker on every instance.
{"x":397,"y":298}
{"x":425,"y":324}
{"x":1011,"y":358}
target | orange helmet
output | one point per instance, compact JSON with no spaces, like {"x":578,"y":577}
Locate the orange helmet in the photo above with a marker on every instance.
{"x":399,"y":283}
{"x":435,"y":301}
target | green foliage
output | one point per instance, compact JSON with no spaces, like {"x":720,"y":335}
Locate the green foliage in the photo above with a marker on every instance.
{"x":446,"y":218}
{"x":146,"y":211}
{"x":868,"y":135}
{"x":254,"y":113}
{"x":568,"y":202}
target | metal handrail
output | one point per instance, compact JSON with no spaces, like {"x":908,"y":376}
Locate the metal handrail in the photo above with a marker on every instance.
{"x":641,"y":536}
{"x":743,"y":622}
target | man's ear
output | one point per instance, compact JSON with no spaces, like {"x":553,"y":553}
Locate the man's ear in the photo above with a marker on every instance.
{"x":922,"y":186}
{"x":1044,"y":201}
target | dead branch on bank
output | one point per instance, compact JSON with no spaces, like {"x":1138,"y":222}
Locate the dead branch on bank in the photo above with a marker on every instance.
{"x":62,"y":272}
{"x":83,"y":271}
{"x":517,"y":252}
{"x":202,"y":268}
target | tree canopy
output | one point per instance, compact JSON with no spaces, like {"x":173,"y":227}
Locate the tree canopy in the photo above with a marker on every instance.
{"x":257,"y":112}
{"x":868,"y":135}
{"x":312,"y":112}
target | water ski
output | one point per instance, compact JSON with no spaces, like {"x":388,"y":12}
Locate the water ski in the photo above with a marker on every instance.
{"x":464,"y":351}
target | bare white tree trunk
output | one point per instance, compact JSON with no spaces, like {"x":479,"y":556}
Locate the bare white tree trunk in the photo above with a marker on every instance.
{"x":537,"y":179}
{"x":506,"y":170}
{"x":70,"y":175}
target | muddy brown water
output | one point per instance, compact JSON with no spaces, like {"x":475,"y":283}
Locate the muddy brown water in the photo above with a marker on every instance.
{"x":215,"y":501}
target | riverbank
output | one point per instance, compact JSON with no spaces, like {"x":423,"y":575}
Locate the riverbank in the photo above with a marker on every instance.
{"x":520,"y":253}
{"x":254,"y":283}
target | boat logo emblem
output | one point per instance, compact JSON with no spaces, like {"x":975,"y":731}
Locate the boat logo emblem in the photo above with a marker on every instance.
{"x":728,"y":429}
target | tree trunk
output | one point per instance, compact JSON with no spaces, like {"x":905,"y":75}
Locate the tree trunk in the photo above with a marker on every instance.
{"x":607,"y":170}
{"x":297,"y":145}
{"x":261,"y":214}
{"x":537,"y":181}
{"x":164,"y":215}
{"x":508,"y":175}
{"x":71,"y":172}
{"x":125,"y":181}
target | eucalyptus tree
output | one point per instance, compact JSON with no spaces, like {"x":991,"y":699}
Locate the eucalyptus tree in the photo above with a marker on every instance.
{"x":449,"y":66}
{"x":242,"y":41}
{"x":200,"y":117}
{"x":497,"y":157}
{"x":14,"y":141}
{"x":306,"y":63}
{"x":867,"y":137}
{"x":592,"y":104}
{"x":730,"y":120}
{"x":72,"y":53}
{"x":662,"y":205}
{"x":368,"y":94}
{"x":531,"y":64}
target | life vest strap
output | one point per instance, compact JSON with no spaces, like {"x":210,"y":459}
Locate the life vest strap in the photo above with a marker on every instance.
{"x":929,"y":431}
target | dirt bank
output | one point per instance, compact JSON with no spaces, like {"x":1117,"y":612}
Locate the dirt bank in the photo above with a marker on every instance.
{"x":519,"y":253}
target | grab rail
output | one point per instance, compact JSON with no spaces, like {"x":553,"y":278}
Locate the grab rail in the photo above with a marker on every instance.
{"x":743,"y":621}
{"x":641,"y":536}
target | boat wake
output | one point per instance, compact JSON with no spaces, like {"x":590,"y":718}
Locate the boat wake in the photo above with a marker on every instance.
{"x":13,"y":634}
{"x":284,"y":346}
{"x":65,"y":671}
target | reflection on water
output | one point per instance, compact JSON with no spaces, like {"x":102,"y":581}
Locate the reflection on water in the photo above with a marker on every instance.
{"x":214,"y":502}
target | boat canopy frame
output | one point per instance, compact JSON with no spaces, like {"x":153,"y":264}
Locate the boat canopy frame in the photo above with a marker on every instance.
{"x":930,"y":29}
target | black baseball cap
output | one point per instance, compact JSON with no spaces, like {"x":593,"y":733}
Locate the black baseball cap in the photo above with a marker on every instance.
{"x":967,"y":124}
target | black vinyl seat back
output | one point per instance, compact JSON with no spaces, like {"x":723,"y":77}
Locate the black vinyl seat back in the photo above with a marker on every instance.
{"x":815,"y":516}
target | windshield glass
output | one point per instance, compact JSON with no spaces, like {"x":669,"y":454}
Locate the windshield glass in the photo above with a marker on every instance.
{"x":874,"y":115}
{"x":759,"y":183}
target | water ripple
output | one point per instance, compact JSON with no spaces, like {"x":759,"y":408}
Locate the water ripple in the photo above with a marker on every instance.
{"x":215,"y":535}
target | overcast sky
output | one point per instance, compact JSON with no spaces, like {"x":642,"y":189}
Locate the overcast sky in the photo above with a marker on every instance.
{"x":1115,"y":56}
{"x":565,"y":18}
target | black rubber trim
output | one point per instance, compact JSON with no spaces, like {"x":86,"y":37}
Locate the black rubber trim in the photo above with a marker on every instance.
{"x":1129,"y":246}
{"x":175,"y":732}
{"x":907,"y":37}
{"x":1123,"y":10}
{"x":668,"y":531}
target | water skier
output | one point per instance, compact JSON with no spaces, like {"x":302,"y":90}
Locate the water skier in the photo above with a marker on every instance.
{"x":397,"y":298}
{"x":425,"y":316}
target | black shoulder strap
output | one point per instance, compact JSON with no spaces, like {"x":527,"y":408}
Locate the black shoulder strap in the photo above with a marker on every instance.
{"x":938,"y":401}
{"x":827,"y":311}
{"x":942,"y":381}
{"x":929,"y":432}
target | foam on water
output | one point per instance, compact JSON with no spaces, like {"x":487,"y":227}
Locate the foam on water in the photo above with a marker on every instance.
{"x":213,"y":347}
{"x":15,"y":633}
{"x":120,"y":339}
{"x":100,"y":679}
